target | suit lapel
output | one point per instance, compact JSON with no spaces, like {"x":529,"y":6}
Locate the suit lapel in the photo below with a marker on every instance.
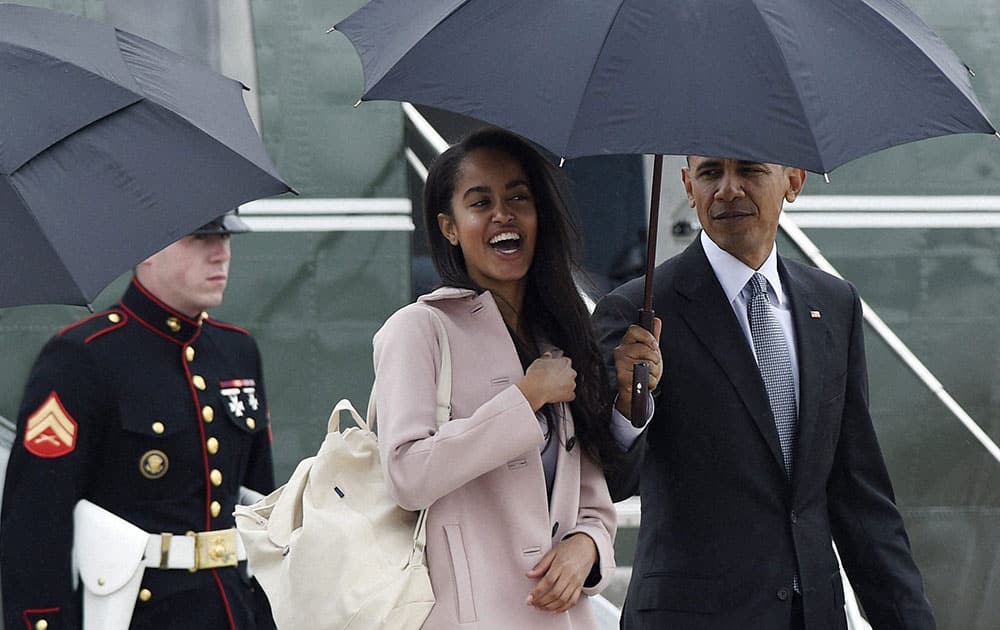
{"x":811,"y":334}
{"x":710,"y":316}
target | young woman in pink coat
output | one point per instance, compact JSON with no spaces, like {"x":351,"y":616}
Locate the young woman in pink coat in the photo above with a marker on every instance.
{"x":520,"y":524}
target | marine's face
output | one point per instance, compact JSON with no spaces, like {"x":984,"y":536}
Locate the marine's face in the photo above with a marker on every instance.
{"x":739,"y":202}
{"x":190,"y":275}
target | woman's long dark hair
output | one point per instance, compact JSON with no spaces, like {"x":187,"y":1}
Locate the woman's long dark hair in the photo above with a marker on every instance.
{"x":553,"y":308}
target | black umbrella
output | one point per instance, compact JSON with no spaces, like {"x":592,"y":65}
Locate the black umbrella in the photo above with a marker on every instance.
{"x":809,"y":83}
{"x":111,"y":147}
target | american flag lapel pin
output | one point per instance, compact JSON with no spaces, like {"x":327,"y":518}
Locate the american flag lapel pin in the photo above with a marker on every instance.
{"x":815,"y":314}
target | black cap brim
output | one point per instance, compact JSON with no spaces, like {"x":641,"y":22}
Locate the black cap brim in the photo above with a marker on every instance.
{"x":229,"y":223}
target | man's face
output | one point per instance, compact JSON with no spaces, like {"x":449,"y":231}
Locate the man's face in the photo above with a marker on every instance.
{"x":739,"y":202}
{"x":189,"y":275}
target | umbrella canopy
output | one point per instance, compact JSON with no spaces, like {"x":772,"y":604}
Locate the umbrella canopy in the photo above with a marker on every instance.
{"x":809,"y":83}
{"x":806,"y":83}
{"x":111,"y":147}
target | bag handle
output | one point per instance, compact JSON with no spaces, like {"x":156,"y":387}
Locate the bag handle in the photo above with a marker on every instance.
{"x":333,"y":424}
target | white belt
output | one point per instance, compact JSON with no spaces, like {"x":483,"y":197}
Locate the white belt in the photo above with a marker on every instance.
{"x":195,"y":550}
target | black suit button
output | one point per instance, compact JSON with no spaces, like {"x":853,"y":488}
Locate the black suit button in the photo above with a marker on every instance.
{"x":783,"y":593}
{"x":795,"y":517}
{"x":570,"y":443}
{"x":555,"y":528}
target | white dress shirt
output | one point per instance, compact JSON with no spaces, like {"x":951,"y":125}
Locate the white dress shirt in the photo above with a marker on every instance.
{"x":733,"y":275}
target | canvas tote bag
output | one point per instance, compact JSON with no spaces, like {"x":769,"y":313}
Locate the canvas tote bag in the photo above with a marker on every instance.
{"x":331,"y":548}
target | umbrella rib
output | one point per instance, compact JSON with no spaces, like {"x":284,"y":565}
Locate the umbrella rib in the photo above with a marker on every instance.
{"x":798,"y":94}
{"x":590,"y":78}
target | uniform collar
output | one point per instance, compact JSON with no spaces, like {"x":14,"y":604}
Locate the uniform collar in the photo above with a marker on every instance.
{"x":154,"y":314}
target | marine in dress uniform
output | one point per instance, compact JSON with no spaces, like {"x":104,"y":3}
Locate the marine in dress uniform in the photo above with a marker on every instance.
{"x":160,"y":418}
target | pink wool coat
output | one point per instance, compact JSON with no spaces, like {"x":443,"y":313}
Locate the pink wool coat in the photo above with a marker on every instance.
{"x":489,"y":520}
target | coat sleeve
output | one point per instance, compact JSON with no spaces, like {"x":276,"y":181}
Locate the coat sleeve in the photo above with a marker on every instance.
{"x":48,"y":472}
{"x":867,"y":526}
{"x":422,"y":463}
{"x":612,"y":317}
{"x":598,"y":519}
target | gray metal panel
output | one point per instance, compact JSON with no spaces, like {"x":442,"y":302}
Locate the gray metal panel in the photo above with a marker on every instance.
{"x":309,"y":81}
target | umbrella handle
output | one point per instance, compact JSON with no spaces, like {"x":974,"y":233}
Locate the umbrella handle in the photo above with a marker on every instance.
{"x":640,"y":375}
{"x":640,"y":393}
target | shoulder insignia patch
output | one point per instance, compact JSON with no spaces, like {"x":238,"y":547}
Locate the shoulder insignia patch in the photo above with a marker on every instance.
{"x":50,"y":431}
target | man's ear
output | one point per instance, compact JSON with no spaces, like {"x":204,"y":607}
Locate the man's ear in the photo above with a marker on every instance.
{"x":447,"y":225}
{"x":686,"y":178}
{"x":796,"y":180}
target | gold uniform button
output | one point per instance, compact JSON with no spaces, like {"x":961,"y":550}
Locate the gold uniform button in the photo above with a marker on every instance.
{"x":145,"y":595}
{"x":189,"y":354}
{"x":174,"y":324}
{"x":251,"y":423}
{"x":198,"y":382}
{"x":114,"y":318}
{"x":158,"y":428}
{"x":216,"y":509}
{"x":207,"y":413}
{"x":41,"y":624}
{"x":216,"y":477}
{"x":212,"y":445}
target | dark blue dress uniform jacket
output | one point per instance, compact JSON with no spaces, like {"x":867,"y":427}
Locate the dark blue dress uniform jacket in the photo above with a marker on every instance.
{"x":156,"y":417}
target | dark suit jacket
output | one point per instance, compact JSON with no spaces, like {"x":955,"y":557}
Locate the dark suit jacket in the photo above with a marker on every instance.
{"x":723,"y":531}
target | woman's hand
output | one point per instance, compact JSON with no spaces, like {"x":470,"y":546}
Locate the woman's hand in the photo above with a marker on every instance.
{"x":563,"y":571}
{"x":638,"y":345}
{"x":548,"y":380}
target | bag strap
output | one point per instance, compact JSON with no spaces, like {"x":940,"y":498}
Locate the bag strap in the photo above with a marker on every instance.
{"x":443,"y":410}
{"x":443,"y":415}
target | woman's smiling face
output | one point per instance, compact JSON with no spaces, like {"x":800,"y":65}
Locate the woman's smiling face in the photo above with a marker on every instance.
{"x":494,"y":221}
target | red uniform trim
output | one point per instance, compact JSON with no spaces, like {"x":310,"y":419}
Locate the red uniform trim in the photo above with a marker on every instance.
{"x":179,"y":342}
{"x":81,"y":322}
{"x":36,"y":611}
{"x":225,"y":600}
{"x":97,"y":334}
{"x":204,"y":451}
{"x":211,"y":321}
{"x":160,"y":303}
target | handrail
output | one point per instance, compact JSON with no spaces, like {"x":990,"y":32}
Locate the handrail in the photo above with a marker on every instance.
{"x":812,"y":252}
{"x":425,"y":129}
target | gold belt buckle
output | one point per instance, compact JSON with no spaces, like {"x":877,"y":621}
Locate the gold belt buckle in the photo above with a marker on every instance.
{"x":215,"y":549}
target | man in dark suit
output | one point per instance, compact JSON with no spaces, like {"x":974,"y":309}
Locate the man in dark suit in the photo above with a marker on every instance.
{"x":761,"y":449}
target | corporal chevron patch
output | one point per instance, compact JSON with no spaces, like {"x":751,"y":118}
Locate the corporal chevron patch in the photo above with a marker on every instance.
{"x":50,"y":431}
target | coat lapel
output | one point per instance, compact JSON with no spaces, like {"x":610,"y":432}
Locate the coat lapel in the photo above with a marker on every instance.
{"x":711,"y":318}
{"x":811,"y":333}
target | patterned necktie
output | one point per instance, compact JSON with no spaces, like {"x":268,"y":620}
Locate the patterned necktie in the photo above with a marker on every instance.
{"x":775,"y":366}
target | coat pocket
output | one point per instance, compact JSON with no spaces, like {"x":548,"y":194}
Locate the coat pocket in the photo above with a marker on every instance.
{"x":662,"y":591}
{"x":463,"y":577}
